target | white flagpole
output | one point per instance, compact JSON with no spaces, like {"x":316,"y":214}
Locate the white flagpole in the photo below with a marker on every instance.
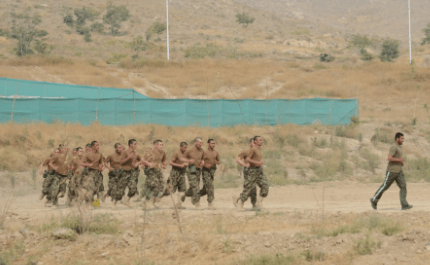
{"x":167,"y":15}
{"x":410,"y":42}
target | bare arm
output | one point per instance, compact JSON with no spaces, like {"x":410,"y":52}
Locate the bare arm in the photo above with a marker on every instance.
{"x":52,"y":165}
{"x":249,"y":160}
{"x":41,"y":169}
{"x":240,"y":162}
{"x":176,"y":165}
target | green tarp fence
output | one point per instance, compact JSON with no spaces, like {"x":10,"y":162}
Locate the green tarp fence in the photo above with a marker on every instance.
{"x":84,"y":105}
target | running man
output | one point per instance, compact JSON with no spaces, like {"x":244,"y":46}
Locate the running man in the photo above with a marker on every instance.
{"x":93,"y":180}
{"x":176,"y":180}
{"x":113,"y":163}
{"x":75,"y":180}
{"x":48,"y":176}
{"x":154,"y":181}
{"x":60,"y":166}
{"x":243,"y":156}
{"x":255,"y":175}
{"x":88,"y":148}
{"x":211,"y":158}
{"x":194,"y":158}
{"x":394,"y":173}
{"x":128,"y":165}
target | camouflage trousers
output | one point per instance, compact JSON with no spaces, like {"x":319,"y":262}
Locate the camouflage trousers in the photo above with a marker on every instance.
{"x":208,"y":175}
{"x":114,"y":176}
{"x":47,"y":181}
{"x":154,"y":184}
{"x":59,"y":184}
{"x":390,"y":177}
{"x":255,"y":177}
{"x":74,"y":184}
{"x":194,"y":181}
{"x":253,"y":193}
{"x":98,"y":180}
{"x":132,"y":182}
{"x":176,"y":181}
{"x":87,"y":185}
{"x":123,"y":179}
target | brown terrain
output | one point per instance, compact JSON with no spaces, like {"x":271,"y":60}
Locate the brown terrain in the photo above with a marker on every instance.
{"x":321,"y":177}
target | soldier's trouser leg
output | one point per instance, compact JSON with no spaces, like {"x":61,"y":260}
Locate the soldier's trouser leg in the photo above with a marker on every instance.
{"x":63,"y":186}
{"x":208,"y":184}
{"x":122,"y":183}
{"x":193,"y":191}
{"x":263,"y":183}
{"x":88,"y":187}
{"x":132,"y":183}
{"x":253,"y":192}
{"x":47,"y":185}
{"x":171,"y":182}
{"x":73,"y":188}
{"x":255,"y":177}
{"x":98,"y":181}
{"x":55,"y":187}
{"x":401,"y":183}
{"x":112,"y":183}
{"x":389,"y":179}
{"x":154,"y":184}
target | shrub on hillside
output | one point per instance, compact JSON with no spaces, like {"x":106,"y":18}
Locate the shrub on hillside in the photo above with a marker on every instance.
{"x":324,"y":57}
{"x":390,"y":50}
{"x":244,"y":19}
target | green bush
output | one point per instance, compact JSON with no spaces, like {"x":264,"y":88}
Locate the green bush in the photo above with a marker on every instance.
{"x":244,"y":19}
{"x":390,"y":50}
{"x":365,"y":56}
{"x":324,"y":57}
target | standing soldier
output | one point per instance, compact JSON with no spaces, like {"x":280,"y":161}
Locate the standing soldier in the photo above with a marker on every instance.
{"x":48,"y":176}
{"x":154,"y":182}
{"x":394,"y":173}
{"x":211,"y":159}
{"x":75,"y":180}
{"x":60,"y":166}
{"x":93,"y":180}
{"x":255,"y":175}
{"x":176,"y":180}
{"x":113,"y":163}
{"x":194,"y":158}
{"x":253,"y":193}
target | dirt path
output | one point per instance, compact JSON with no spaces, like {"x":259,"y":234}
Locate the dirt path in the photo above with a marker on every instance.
{"x":344,"y":197}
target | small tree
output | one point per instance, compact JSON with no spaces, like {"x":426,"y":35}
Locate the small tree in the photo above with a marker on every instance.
{"x":24,"y":30}
{"x":390,"y":50}
{"x":137,"y":45}
{"x":427,"y":33}
{"x":365,"y":55}
{"x":244,"y":19}
{"x":158,"y":27}
{"x":115,"y":15}
{"x":360,"y":42}
{"x":82,"y":15}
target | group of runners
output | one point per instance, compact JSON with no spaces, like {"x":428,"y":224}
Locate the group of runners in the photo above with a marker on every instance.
{"x":79,"y":175}
{"x":82,"y":174}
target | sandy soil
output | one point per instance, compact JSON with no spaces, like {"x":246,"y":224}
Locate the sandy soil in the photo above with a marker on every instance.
{"x":225,"y":235}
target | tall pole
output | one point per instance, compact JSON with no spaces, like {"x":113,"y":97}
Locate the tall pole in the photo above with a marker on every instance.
{"x":410,"y":42}
{"x":167,"y":15}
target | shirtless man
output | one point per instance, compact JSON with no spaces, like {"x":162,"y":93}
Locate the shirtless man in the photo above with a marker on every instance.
{"x":74,"y":152}
{"x":48,"y":176}
{"x":255,"y":175}
{"x":243,"y":156}
{"x":176,"y":180}
{"x":60,"y":166}
{"x":128,"y":164}
{"x":88,"y":148}
{"x":75,"y":180}
{"x":93,"y":181}
{"x":194,"y":158}
{"x":113,"y":163}
{"x":154,"y":182}
{"x":211,"y":159}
